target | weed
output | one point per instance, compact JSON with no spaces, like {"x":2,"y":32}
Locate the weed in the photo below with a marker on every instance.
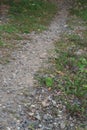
{"x":31,"y":15}
{"x":80,"y":9}
{"x":70,"y":75}
{"x":1,"y":43}
{"x":74,"y":81}
{"x":49,"y":81}
{"x":25,"y":16}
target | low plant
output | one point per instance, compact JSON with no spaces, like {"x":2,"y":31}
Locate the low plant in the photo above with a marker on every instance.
{"x":28,"y":15}
{"x":73,"y":82}
{"x":80,"y":9}
{"x":1,"y":43}
{"x":70,"y":75}
{"x":24,"y":16}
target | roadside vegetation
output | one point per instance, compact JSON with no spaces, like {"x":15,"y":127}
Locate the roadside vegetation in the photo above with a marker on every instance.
{"x":68,"y":72}
{"x":21,"y":17}
{"x":28,"y":15}
{"x":80,"y":9}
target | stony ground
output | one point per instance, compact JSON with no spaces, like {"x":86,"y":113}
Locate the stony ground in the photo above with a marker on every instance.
{"x":23,"y":107}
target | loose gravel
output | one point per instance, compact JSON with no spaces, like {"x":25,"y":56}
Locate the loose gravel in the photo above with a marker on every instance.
{"x":22,"y":106}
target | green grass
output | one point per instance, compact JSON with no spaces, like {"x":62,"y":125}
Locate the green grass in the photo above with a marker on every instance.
{"x":1,"y":43}
{"x":8,"y":28}
{"x":80,"y":9}
{"x":67,"y":73}
{"x":81,"y":13}
{"x":29,"y":15}
{"x":74,"y":80}
{"x":70,"y":74}
{"x":25,"y":16}
{"x":74,"y":65}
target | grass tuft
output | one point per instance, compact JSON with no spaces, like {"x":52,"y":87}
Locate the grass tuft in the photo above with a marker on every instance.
{"x":80,"y":9}
{"x":23,"y":16}
{"x":30,"y":15}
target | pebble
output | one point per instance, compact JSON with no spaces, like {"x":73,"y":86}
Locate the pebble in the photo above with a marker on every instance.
{"x":40,"y":126}
{"x":42,"y":118}
{"x":54,"y":103}
{"x":38,"y":117}
{"x":30,"y":113}
{"x":8,"y":128}
{"x":65,"y":26}
{"x":62,"y":125}
{"x":33,"y":106}
{"x":45,"y":103}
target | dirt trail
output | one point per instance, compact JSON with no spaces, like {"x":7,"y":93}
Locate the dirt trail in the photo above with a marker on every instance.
{"x":19,"y":74}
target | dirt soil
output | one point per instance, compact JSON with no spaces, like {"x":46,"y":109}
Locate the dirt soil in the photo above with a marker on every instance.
{"x":22,"y":106}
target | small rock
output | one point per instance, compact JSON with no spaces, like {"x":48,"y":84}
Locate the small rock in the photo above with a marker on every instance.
{"x":47,"y":117}
{"x":33,"y":106}
{"x":71,"y":124}
{"x":38,"y":117}
{"x":8,"y":92}
{"x":65,"y":26}
{"x":54,"y":103}
{"x":45,"y":103}
{"x":18,"y":128}
{"x":40,"y":126}
{"x":62,"y":125}
{"x":30,"y":113}
{"x":4,"y":107}
{"x":49,"y":98}
{"x":8,"y":128}
{"x":79,"y":52}
{"x":18,"y":121}
{"x":43,"y":55}
{"x":55,"y":124}
{"x":19,"y":107}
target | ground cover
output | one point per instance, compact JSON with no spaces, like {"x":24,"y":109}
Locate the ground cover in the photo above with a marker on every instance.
{"x":68,"y":73}
{"x":22,"y":17}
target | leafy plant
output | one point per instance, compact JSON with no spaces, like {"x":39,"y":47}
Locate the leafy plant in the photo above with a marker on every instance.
{"x":70,"y":76}
{"x":49,"y":81}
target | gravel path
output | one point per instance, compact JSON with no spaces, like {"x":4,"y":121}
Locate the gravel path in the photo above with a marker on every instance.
{"x":22,"y":107}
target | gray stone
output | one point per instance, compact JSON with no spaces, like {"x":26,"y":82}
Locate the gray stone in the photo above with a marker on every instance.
{"x":62,"y":125}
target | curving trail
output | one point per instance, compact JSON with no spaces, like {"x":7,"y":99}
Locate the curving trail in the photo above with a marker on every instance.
{"x":18,"y":75}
